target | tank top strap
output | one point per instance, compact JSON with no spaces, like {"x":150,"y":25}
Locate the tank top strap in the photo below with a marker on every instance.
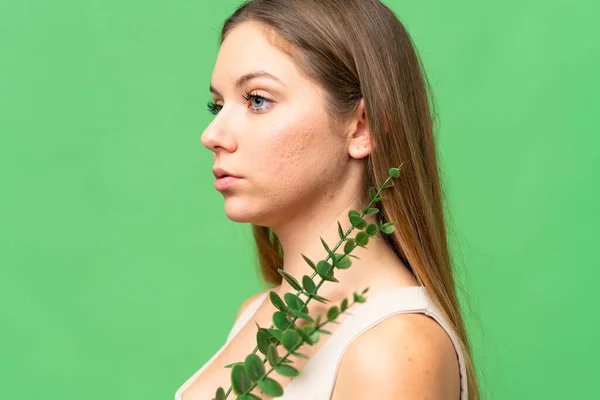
{"x":322,"y":368}
{"x":432,"y":311}
{"x":246,"y":315}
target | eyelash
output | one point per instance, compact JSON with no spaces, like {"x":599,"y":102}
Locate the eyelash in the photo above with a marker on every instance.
{"x":214,"y":109}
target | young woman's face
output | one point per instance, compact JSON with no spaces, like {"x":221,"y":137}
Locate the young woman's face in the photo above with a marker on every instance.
{"x":278,"y":140}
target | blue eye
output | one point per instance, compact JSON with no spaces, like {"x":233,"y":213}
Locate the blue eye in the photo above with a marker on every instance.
{"x":247,"y":96}
{"x":263,"y":103}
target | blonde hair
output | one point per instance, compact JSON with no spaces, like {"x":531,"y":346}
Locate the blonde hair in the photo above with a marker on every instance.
{"x":359,"y":49}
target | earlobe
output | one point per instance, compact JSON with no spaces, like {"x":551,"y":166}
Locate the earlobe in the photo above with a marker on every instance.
{"x":359,"y":149}
{"x":359,"y":145}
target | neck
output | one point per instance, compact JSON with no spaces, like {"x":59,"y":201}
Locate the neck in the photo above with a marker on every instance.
{"x":302,"y":235}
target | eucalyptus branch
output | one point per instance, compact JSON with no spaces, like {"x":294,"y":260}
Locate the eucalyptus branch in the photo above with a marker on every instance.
{"x":245,"y":374}
{"x":255,"y":369}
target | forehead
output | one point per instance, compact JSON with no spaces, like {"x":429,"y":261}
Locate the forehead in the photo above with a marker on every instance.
{"x":250,"y":47}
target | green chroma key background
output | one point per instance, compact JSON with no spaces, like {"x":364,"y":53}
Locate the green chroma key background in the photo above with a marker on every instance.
{"x":117,"y":279}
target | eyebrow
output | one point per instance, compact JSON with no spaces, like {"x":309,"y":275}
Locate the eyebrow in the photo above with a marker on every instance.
{"x":248,"y":77}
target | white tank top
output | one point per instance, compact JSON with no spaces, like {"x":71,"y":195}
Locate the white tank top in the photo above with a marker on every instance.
{"x":317,"y":378}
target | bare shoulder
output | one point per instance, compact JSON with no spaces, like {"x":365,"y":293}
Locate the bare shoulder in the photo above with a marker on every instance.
{"x":408,"y":356}
{"x":249,"y":301}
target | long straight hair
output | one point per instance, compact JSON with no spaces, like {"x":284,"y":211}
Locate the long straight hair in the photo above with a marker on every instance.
{"x":359,"y":49}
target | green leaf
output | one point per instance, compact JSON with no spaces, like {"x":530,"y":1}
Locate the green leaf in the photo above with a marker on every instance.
{"x":329,"y":278}
{"x":308,"y":329}
{"x":372,"y":210}
{"x":388,"y":227}
{"x":394,"y":172}
{"x":344,"y":305}
{"x":358,"y":298}
{"x":220,"y":394}
{"x":324,"y":331}
{"x":276,"y":333}
{"x":375,"y":200}
{"x":372,"y":229}
{"x":312,"y":333}
{"x":335,"y":258}
{"x":309,"y":284}
{"x":239,"y":380}
{"x":333,"y":312}
{"x":270,"y":387}
{"x":320,"y":299}
{"x":333,"y":261}
{"x":265,"y":331}
{"x":290,"y":339}
{"x":304,"y":309}
{"x":293,"y":301}
{"x":340,"y":231}
{"x":309,"y":262}
{"x":286,"y":370}
{"x":324,"y":268}
{"x":263,"y":341}
{"x":362,"y":238}
{"x":338,"y":257}
{"x":356,"y":220}
{"x":254,"y":367}
{"x":277,"y":302}
{"x":290,"y":279}
{"x":304,"y":335}
{"x":302,"y":315}
{"x":318,"y":321}
{"x":372,"y":193}
{"x":365,"y":290}
{"x":300,"y":355}
{"x":233,"y":364}
{"x":280,"y":320}
{"x":344,"y":262}
{"x":315,"y":336}
{"x":325,"y":245}
{"x":325,"y":271}
{"x":272,"y":355}
{"x":349,"y":246}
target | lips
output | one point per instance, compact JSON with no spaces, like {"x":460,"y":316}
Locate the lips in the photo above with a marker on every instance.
{"x":225,"y":182}
{"x":221,"y":173}
{"x":225,"y":176}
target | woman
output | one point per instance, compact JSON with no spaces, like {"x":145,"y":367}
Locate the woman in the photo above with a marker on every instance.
{"x":314,"y":101}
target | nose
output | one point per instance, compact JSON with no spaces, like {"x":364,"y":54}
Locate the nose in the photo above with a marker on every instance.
{"x":217,"y":138}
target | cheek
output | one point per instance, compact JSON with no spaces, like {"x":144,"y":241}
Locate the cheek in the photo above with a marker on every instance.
{"x":300,"y":158}
{"x":298,"y":148}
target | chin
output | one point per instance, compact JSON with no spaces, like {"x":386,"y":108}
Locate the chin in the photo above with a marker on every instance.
{"x":238,"y":210}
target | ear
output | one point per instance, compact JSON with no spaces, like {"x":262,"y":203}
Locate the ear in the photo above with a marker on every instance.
{"x":359,"y":143}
